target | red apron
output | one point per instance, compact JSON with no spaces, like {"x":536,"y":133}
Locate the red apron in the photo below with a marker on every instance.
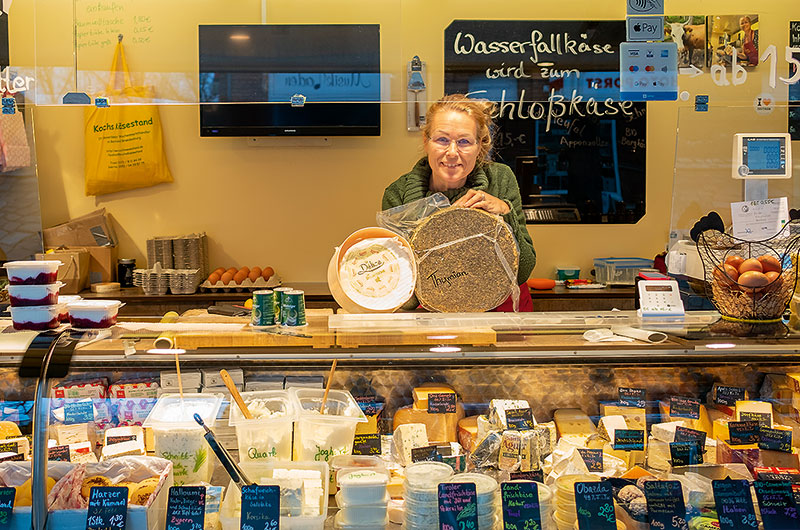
{"x":525,"y":301}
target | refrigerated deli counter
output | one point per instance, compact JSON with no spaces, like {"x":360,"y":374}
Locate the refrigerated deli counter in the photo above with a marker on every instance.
{"x":697,"y":374}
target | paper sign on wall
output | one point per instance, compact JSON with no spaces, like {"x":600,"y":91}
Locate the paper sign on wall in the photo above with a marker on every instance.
{"x":757,"y":220}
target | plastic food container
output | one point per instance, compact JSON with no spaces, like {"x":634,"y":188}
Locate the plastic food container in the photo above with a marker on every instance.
{"x":93,"y":313}
{"x":427,"y":475}
{"x":268,"y":436}
{"x":32,"y":272}
{"x":619,"y":271}
{"x":36,"y":318}
{"x":343,"y":522}
{"x":354,"y":514}
{"x":320,"y":437}
{"x":345,"y":463}
{"x":568,"y":273}
{"x":64,"y":300}
{"x":363,"y":486}
{"x":275,"y":472}
{"x":28,"y":295}
{"x":179,"y":438}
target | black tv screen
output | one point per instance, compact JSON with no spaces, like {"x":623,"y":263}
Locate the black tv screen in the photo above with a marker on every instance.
{"x":249,"y":74}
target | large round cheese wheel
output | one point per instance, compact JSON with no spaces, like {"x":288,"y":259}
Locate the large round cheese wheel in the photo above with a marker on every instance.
{"x":372,"y":271}
{"x":467,"y":260}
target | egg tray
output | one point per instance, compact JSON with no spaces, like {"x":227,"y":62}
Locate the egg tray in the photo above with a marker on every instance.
{"x":733,"y":303}
{"x":246,"y":285}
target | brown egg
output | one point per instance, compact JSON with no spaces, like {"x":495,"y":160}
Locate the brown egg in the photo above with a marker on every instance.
{"x":220,"y":270}
{"x":734,"y":260}
{"x":751,"y":264}
{"x":753,"y":281}
{"x":232,"y":270}
{"x":245,"y":269}
{"x":227,"y":277}
{"x":214,"y":277}
{"x":254,"y":275}
{"x":769,"y":263}
{"x":256,"y":269}
{"x":239,"y":277}
{"x":726,"y":274}
{"x":267,"y":273}
{"x":775,"y":280}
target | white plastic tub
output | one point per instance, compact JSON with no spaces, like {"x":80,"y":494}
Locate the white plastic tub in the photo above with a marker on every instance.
{"x":36,"y":318}
{"x":32,"y":272}
{"x":363,"y":486}
{"x":268,"y":437}
{"x":30,"y":295}
{"x":93,"y":313}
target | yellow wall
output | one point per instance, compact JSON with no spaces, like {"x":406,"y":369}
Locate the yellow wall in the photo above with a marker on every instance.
{"x":289,"y":206}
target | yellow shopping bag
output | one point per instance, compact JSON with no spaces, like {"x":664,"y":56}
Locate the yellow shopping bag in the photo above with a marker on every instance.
{"x":124,"y":143}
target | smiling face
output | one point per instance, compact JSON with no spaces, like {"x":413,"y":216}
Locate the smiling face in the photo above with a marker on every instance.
{"x":744,"y":24}
{"x":452,"y":149}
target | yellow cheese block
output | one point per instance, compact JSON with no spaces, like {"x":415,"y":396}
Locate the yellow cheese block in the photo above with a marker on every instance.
{"x":635,"y":417}
{"x":636,"y":472}
{"x":794,"y":381}
{"x":368,"y":427}
{"x":574,"y":424}
{"x":720,"y":430}
{"x":703,"y":423}
{"x":760,"y":407}
{"x":22,"y":444}
{"x":786,"y":421}
{"x":468,"y":432}
{"x":9,"y":429}
{"x":440,"y":427}
{"x":421,"y":392}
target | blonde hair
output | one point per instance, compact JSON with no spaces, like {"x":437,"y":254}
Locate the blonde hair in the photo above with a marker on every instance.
{"x":480,"y":110}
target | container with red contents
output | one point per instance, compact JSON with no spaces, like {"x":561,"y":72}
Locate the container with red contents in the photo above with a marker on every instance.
{"x":32,"y":272}
{"x":93,"y":313}
{"x":28,"y":295}
{"x":36,"y":318}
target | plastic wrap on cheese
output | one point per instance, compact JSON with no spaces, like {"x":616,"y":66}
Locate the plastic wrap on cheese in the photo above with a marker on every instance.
{"x":378,"y":273}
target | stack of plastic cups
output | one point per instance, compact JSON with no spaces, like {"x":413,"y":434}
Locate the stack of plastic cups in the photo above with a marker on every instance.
{"x":565,"y":515}
{"x":422,"y":494}
{"x":362,"y":499}
{"x":488,"y":498}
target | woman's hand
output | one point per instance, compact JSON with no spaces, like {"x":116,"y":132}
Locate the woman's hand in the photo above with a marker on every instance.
{"x":483,"y":201}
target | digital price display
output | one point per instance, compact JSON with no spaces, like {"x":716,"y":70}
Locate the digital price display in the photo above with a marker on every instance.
{"x":763,"y":155}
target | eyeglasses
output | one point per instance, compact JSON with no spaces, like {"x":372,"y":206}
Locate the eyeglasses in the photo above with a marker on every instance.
{"x":462,"y":144}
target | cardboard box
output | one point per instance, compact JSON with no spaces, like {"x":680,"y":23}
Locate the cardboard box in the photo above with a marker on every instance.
{"x":92,"y":229}
{"x":102,"y":264}
{"x":74,"y":268}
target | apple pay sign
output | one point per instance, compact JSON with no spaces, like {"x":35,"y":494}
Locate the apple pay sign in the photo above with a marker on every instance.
{"x":645,"y":29}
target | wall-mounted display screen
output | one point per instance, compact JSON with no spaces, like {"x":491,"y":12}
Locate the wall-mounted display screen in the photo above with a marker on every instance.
{"x":251,"y":74}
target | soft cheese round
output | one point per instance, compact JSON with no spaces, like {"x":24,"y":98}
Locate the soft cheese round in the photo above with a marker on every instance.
{"x":378,"y":273}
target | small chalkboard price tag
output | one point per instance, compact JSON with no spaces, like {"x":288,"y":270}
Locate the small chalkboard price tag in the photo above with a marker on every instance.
{"x":58,"y":452}
{"x":186,"y":508}
{"x":777,"y":505}
{"x":108,"y":508}
{"x":593,"y":458}
{"x":628,"y":440}
{"x":458,"y":506}
{"x":775,"y":439}
{"x":6,"y":506}
{"x":520,"y":505}
{"x":261,"y":507}
{"x":743,"y":432}
{"x":684,"y":407}
{"x":369,"y":406}
{"x":594,"y":502}
{"x":519,"y":419}
{"x":441,"y":403}
{"x":78,"y":412}
{"x":632,"y":397}
{"x":684,"y":434}
{"x":537,"y":476}
{"x":665,"y":507}
{"x":686,"y":453}
{"x":763,"y":418}
{"x":111,"y":440}
{"x":734,"y":504}
{"x":367,"y":444}
{"x":729,"y":395}
{"x":794,"y":478}
{"x":426,"y":454}
{"x":9,"y":447}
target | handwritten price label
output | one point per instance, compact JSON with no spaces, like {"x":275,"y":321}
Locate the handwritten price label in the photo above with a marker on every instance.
{"x":186,"y":508}
{"x":108,"y":508}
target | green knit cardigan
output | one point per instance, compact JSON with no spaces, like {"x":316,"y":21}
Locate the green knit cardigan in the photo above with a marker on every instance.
{"x":493,"y":178}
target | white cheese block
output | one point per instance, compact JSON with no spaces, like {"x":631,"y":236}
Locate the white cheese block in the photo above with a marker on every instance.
{"x":71,"y":434}
{"x":116,"y":432}
{"x":81,"y":453}
{"x":498,"y":408}
{"x":608,"y":425}
{"x":665,"y":432}
{"x":407,"y":437}
{"x":483,"y":427}
{"x":659,"y":457}
{"x":132,"y":447}
{"x":378,"y":274}
{"x":20,"y":445}
{"x":762,"y":407}
{"x":291,"y":494}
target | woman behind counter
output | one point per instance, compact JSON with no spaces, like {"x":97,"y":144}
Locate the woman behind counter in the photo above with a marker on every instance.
{"x":457,"y":143}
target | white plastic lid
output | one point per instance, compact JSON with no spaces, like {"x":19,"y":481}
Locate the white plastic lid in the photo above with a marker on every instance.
{"x":84,"y":305}
{"x":171,"y":411}
{"x":427,"y":474}
{"x":363,"y":477}
{"x":27,"y":264}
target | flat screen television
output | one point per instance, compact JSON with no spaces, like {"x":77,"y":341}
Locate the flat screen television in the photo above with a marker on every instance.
{"x":249,"y":74}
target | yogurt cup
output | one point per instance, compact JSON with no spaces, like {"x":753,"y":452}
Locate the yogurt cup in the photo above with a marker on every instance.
{"x":36,"y":318}
{"x":32,"y":272}
{"x":93,"y":313}
{"x":64,"y":300}
{"x":268,"y":436}
{"x":30,"y":295}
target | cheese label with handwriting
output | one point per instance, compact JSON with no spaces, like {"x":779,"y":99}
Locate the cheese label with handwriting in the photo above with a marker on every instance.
{"x":734,"y":504}
{"x":520,"y":502}
{"x":108,"y":508}
{"x":458,"y":505}
{"x":261,"y":507}
{"x":594,"y":503}
{"x":186,"y":508}
{"x":665,"y":507}
{"x":777,"y":504}
{"x":684,"y":407}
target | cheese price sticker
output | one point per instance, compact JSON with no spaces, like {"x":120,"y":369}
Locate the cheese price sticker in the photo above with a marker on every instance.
{"x":186,"y":508}
{"x":458,"y":506}
{"x":108,"y":508}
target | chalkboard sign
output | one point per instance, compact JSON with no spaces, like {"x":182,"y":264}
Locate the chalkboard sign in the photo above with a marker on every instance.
{"x":665,"y":507}
{"x":594,"y":502}
{"x":519,"y":419}
{"x":6,"y":506}
{"x":794,"y":89}
{"x":777,"y":506}
{"x":684,"y":407}
{"x":261,"y":507}
{"x":734,"y":504}
{"x":686,"y":453}
{"x":684,"y":434}
{"x":458,"y":506}
{"x":593,"y":458}
{"x":186,"y":508}
{"x":367,"y":444}
{"x":425,"y":454}
{"x":108,"y":508}
{"x":729,"y":395}
{"x":369,"y":406}
{"x":520,"y":505}
{"x":632,"y":397}
{"x":763,"y":418}
{"x":78,"y":412}
{"x":775,"y":439}
{"x":556,"y":85}
{"x":441,"y":403}
{"x":9,"y":447}
{"x":628,"y":440}
{"x":743,"y":432}
{"x":537,"y":475}
{"x":111,"y":440}
{"x":58,"y":452}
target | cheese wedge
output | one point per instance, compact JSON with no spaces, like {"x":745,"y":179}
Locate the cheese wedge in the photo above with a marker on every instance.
{"x":635,"y":417}
{"x":407,"y":437}
{"x":441,"y":428}
{"x":573,"y":425}
{"x":116,"y":434}
{"x":75,"y":433}
{"x":132,"y":447}
{"x":81,"y":453}
{"x":20,"y":445}
{"x":468,"y":432}
{"x":9,"y":429}
{"x":703,"y":423}
{"x":498,"y":408}
{"x":608,"y":425}
{"x":665,"y":432}
{"x":421,"y":393}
